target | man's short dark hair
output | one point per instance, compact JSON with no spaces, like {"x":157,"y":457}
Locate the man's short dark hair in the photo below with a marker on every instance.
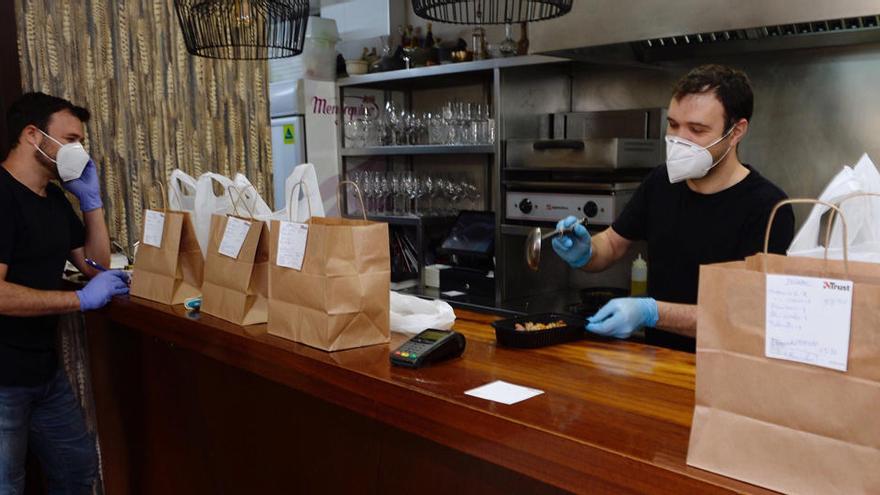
{"x":731,"y":86}
{"x":37,"y":109}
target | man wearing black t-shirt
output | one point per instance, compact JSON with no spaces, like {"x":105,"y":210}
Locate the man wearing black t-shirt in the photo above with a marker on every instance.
{"x":702,"y":206}
{"x":39,"y":231}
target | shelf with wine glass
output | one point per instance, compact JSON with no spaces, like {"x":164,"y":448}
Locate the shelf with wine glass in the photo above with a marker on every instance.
{"x":445,"y":74}
{"x":421,"y":149}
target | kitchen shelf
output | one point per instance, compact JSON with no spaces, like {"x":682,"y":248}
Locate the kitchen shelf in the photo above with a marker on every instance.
{"x":480,"y":149}
{"x":421,"y":73}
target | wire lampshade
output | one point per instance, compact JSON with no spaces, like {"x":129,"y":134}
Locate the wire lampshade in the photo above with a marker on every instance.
{"x":243,"y":29}
{"x":490,"y":11}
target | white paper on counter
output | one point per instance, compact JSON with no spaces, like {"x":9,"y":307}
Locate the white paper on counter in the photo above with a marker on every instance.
{"x":453,"y":293}
{"x":808,"y":320}
{"x":234,"y":236}
{"x":504,"y":392}
{"x":154,"y":227}
{"x":292,"y":238}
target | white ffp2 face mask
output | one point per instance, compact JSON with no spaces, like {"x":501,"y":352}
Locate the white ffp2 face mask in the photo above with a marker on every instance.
{"x":688,"y":160}
{"x":70,"y":160}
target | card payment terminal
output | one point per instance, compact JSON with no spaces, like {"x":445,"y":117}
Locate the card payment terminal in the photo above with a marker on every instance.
{"x":429,"y":347}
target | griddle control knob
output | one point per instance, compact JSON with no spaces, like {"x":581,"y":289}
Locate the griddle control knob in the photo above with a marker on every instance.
{"x":591,"y":209}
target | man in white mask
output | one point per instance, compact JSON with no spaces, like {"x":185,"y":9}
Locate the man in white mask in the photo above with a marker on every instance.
{"x":702,"y":206}
{"x":39,"y":232}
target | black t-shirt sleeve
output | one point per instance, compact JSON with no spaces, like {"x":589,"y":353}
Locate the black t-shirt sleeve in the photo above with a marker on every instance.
{"x":7,"y":227}
{"x":633,"y":221}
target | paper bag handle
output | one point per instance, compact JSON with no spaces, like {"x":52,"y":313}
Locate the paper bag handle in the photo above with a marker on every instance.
{"x":242,"y":195}
{"x":290,"y":200}
{"x":360,"y":196}
{"x":229,"y":189}
{"x":827,"y":232}
{"x":151,"y":191}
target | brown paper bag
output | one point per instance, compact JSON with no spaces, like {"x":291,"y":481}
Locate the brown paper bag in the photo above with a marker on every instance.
{"x":784,"y":425}
{"x":341,"y":297}
{"x":173,"y":272}
{"x":236,"y":289}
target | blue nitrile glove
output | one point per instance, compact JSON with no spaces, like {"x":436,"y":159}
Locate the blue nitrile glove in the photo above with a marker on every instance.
{"x":86,"y":188}
{"x":574,"y":247}
{"x":98,"y":292}
{"x":621,"y":317}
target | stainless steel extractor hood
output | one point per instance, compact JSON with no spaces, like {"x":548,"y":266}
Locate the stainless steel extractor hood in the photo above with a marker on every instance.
{"x":649,"y":30}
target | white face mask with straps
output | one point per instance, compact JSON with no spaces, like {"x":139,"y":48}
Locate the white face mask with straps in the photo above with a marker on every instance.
{"x":688,"y":160}
{"x":70,"y":160}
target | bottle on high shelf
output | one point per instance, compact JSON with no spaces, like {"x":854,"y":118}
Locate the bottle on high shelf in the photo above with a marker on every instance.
{"x":429,"y":38}
{"x":410,"y":42}
{"x":508,"y":46}
{"x":522,"y":46}
{"x":418,"y":41}
{"x":404,"y":39}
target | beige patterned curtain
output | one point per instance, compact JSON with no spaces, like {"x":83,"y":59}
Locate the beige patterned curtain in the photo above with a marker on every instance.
{"x":154,"y":106}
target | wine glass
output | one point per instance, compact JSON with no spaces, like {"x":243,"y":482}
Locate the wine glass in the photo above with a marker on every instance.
{"x":412,"y":192}
{"x":428,"y":190}
{"x":355,"y":177}
{"x":367,"y":189}
{"x":389,"y":119}
{"x":378,"y":193}
{"x":395,"y":192}
{"x":448,"y":124}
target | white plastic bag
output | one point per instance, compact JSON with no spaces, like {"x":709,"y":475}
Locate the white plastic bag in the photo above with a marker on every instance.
{"x":207,"y":204}
{"x":181,"y":191}
{"x":862,"y":216}
{"x":411,"y":315}
{"x":249,"y":199}
{"x":305,"y":207}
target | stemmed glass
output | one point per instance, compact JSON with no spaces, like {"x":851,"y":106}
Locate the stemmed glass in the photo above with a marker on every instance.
{"x":428,"y":192}
{"x":412,"y":192}
{"x":367,"y":189}
{"x":391,"y":119}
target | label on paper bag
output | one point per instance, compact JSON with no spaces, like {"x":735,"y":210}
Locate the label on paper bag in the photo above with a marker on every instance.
{"x":234,"y":236}
{"x":292,"y":237}
{"x":154,"y":227}
{"x":808,"y":320}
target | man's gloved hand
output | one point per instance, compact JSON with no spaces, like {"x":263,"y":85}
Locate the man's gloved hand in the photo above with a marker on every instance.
{"x":574,"y":247}
{"x":86,"y":188}
{"x":621,"y":317}
{"x":98,"y":292}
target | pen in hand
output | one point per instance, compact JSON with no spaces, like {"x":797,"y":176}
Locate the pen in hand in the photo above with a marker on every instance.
{"x":94,"y":264}
{"x":101,"y":268}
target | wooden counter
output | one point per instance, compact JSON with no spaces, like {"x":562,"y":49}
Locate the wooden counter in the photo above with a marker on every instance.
{"x":203,"y":406}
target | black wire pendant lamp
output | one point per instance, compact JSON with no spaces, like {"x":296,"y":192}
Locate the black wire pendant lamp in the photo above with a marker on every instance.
{"x":490,"y":11}
{"x":243,"y":29}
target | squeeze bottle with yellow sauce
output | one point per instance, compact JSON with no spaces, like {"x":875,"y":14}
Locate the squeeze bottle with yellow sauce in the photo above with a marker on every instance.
{"x":638,"y":284}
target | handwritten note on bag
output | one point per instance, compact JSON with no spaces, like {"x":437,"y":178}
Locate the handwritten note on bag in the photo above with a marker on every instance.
{"x":808,"y":320}
{"x":292,"y":237}
{"x":154,"y":227}
{"x":234,"y":236}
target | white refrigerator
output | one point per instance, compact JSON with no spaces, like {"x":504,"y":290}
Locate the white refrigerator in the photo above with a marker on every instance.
{"x":287,"y":113}
{"x":288,"y":151}
{"x":304,"y":119}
